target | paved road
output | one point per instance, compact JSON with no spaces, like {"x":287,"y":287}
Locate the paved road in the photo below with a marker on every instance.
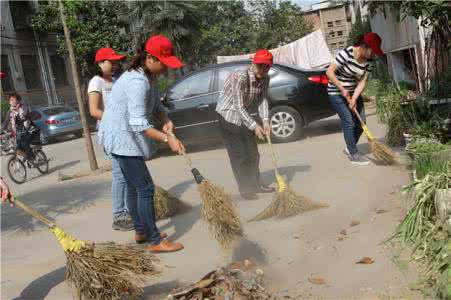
{"x":290,"y":251}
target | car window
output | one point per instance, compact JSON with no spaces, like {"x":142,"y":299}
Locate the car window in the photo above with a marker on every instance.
{"x":192,"y":86}
{"x":225,"y":72}
{"x":272,"y":72}
{"x":52,"y":111}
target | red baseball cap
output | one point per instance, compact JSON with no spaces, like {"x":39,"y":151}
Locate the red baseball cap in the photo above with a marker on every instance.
{"x":373,"y":40}
{"x":263,"y":56}
{"x":162,"y":48}
{"x":107,"y":54}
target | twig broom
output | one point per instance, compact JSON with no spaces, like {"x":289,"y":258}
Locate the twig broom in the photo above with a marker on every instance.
{"x":101,"y":271}
{"x":217,"y":210}
{"x":166,"y":204}
{"x":382,"y":153}
{"x":286,"y":202}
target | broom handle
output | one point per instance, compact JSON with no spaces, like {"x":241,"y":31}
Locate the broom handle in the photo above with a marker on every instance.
{"x":187,"y":158}
{"x":359,"y":117}
{"x":32,"y":212}
{"x":273,"y":154}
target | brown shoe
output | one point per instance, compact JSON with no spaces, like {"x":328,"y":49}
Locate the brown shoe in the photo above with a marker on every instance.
{"x":141,"y":238}
{"x":165,"y":246}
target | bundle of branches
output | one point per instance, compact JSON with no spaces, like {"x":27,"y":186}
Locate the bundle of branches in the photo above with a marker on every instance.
{"x":166,"y":204}
{"x":101,"y":271}
{"x":434,"y":251}
{"x":381,"y":152}
{"x":286,"y":202}
{"x":217,"y":209}
{"x":239,"y":280}
{"x":422,"y":215}
{"x":219,"y":213}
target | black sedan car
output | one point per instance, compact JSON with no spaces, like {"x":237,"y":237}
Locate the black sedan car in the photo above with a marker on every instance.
{"x":296,"y":98}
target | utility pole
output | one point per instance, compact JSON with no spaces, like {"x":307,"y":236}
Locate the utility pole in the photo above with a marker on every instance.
{"x":87,"y":133}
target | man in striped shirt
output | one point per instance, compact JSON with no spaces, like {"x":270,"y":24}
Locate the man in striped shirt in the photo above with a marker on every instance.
{"x":243,"y":89}
{"x":348,"y":75}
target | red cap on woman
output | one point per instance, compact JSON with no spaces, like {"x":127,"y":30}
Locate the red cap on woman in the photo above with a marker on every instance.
{"x":107,"y":54}
{"x":162,"y":48}
{"x":373,"y":40}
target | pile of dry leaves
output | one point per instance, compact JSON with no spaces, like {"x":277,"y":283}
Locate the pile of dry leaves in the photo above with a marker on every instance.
{"x":237,"y":281}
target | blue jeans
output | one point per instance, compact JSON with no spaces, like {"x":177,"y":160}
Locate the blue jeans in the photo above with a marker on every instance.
{"x":140,"y":193}
{"x":352,"y":129}
{"x":119,"y":190}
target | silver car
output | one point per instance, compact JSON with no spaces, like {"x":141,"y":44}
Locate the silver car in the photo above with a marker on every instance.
{"x":56,"y":121}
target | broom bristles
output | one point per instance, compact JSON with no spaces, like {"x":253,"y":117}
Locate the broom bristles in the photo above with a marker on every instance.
{"x":110,"y":271}
{"x":167,"y":205}
{"x":382,"y":153}
{"x":287,"y":204}
{"x":219,"y":213}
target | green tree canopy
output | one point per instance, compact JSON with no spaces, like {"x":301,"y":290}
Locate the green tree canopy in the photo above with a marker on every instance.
{"x":93,"y":25}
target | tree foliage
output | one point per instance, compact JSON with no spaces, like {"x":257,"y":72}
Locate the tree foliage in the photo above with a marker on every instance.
{"x":200,"y":30}
{"x":359,"y":28}
{"x":93,"y":25}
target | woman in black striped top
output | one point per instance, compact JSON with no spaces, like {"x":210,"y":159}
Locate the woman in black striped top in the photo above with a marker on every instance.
{"x":347,"y":80}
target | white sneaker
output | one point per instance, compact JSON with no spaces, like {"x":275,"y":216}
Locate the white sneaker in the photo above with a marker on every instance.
{"x":358,"y":159}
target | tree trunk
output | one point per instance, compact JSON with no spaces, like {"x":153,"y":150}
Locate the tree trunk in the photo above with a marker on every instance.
{"x":81,"y":107}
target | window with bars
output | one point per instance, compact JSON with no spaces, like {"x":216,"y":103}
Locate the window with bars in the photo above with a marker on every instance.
{"x":59,"y":70}
{"x":31,"y":72}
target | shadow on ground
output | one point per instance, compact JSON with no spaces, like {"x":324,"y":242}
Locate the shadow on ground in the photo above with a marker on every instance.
{"x":247,"y":249}
{"x":323,"y":127}
{"x":63,"y":166}
{"x":289,"y":172}
{"x":159,"y":290}
{"x":58,"y":199}
{"x":182,"y":223}
{"x":39,"y":288}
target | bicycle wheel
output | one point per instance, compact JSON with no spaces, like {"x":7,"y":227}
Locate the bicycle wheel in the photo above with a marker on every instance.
{"x":17,"y":170}
{"x":41,"y":161}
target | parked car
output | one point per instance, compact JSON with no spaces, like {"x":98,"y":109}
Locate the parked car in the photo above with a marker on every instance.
{"x":296,"y":98}
{"x":56,"y":121}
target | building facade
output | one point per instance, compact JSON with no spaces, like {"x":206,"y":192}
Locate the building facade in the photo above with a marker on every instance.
{"x":334,"y":19}
{"x":33,"y":67}
{"x":403,"y":42}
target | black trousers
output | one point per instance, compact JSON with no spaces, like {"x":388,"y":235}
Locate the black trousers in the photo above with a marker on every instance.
{"x":241,"y":146}
{"x":23,"y":140}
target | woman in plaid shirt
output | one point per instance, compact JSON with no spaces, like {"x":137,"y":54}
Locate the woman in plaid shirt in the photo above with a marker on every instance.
{"x":241,"y":90}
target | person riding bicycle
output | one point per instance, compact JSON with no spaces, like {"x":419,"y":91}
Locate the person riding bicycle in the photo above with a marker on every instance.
{"x":18,"y":118}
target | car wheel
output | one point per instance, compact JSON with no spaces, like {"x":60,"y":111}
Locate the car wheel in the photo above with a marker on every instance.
{"x":44,"y":138}
{"x":286,"y":124}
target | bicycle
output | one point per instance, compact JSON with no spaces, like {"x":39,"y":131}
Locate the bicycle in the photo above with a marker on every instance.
{"x":17,"y":164}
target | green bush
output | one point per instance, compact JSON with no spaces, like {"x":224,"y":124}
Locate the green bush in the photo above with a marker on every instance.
{"x":440,"y":86}
{"x":4,"y":107}
{"x":430,"y":157}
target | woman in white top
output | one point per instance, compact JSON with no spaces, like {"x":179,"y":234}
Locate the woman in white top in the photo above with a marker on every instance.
{"x":99,"y":90}
{"x":348,"y":74}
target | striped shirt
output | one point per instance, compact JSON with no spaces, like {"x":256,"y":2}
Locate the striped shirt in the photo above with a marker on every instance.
{"x":348,"y":72}
{"x":241,"y":89}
